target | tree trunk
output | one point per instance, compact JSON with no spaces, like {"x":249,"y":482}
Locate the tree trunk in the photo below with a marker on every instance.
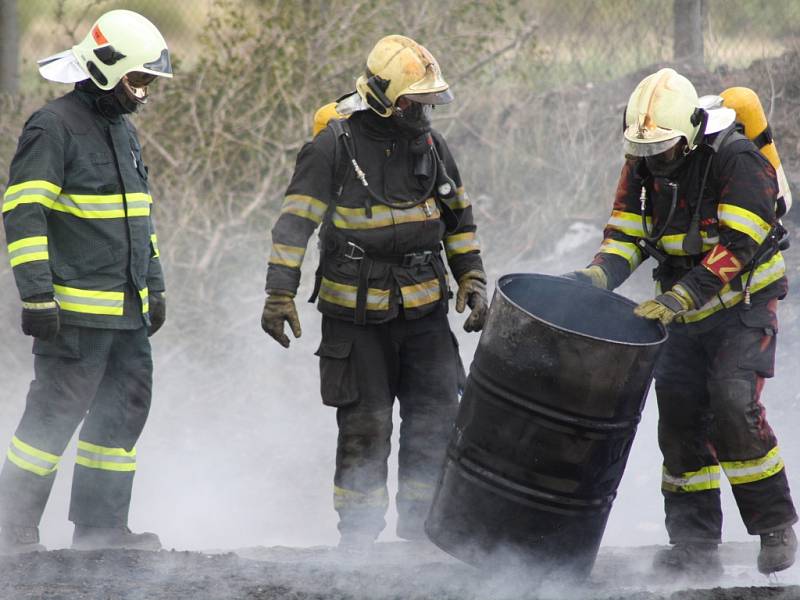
{"x":688,"y":36}
{"x":9,"y":47}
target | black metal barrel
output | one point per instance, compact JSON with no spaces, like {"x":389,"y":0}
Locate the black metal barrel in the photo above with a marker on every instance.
{"x":549,"y":412}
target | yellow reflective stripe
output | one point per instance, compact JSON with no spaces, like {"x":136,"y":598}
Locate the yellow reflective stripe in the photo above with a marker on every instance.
{"x":356,"y":218}
{"x":30,"y":192}
{"x":628,"y":223}
{"x":460,"y":243}
{"x":705,"y":478}
{"x":344,"y":498}
{"x":745,"y":221}
{"x":415,"y":490}
{"x":383,"y":216}
{"x":421,"y":294}
{"x":428,"y":210}
{"x":345,"y":295}
{"x":28,"y":249}
{"x":93,"y":456}
{"x":110,"y":206}
{"x":747,"y":471}
{"x":144,"y":294}
{"x":89,"y":301}
{"x":770,"y":272}
{"x":673,"y":244}
{"x":303,"y":206}
{"x":458,"y":202}
{"x":154,"y":243}
{"x":288,"y":256}
{"x":32,"y":459}
{"x":626,"y":250}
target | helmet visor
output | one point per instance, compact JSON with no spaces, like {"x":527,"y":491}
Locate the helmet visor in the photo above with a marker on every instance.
{"x":443,"y":97}
{"x":636,"y":146}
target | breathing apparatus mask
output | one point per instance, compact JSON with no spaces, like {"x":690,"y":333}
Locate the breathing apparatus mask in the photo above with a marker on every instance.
{"x":414,"y":117}
{"x":666,"y":163}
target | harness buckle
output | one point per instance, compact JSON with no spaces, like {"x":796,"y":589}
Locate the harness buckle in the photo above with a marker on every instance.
{"x":414,"y":259}
{"x":354,"y":251}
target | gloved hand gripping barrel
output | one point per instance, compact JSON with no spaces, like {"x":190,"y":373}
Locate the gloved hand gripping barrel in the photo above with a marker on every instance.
{"x":549,"y":412}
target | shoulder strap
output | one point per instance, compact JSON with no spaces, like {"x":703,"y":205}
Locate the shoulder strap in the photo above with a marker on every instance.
{"x":341,"y":136}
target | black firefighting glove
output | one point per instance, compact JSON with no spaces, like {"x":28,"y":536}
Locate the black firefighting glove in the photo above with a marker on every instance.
{"x":278,"y":308}
{"x":594,"y":275}
{"x":666,"y":306}
{"x":40,"y":317}
{"x":158,"y":311}
{"x":472,"y":293}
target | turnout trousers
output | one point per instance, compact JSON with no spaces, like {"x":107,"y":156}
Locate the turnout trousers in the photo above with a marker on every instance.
{"x":102,"y":377}
{"x":363,"y":368}
{"x":708,"y":384}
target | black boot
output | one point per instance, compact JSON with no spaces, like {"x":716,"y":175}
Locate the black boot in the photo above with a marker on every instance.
{"x":356,"y":544}
{"x":18,"y":539}
{"x":777,"y":551}
{"x":98,"y":538}
{"x":698,"y":561}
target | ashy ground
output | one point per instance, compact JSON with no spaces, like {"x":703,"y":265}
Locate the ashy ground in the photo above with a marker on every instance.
{"x":397,"y":570}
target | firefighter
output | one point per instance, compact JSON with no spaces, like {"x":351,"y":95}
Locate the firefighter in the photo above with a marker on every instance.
{"x":388,"y":195}
{"x":77,"y":216}
{"x":699,"y":197}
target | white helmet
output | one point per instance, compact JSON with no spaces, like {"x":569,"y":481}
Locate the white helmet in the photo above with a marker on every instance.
{"x":120,"y":43}
{"x":662,"y":109}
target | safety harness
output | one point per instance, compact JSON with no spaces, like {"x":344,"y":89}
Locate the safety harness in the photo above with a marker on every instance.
{"x":776,"y":239}
{"x":333,"y":243}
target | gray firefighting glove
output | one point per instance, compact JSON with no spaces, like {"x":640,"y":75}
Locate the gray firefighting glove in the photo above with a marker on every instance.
{"x":158,"y":311}
{"x":472,"y":293}
{"x":594,"y":275}
{"x":278,"y":308}
{"x":666,"y":306}
{"x":40,"y":317}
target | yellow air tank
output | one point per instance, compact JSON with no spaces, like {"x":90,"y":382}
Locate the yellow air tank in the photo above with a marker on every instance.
{"x":323,"y":115}
{"x":750,"y":113}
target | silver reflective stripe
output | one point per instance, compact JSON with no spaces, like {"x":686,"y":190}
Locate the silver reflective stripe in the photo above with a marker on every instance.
{"x":85,"y":300}
{"x":31,"y":192}
{"x":27,"y":250}
{"x":94,"y":206}
{"x":106,"y":458}
{"x":34,"y":460}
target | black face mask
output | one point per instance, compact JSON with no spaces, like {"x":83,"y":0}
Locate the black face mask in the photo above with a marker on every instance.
{"x":110,"y":103}
{"x":664,"y":168}
{"x":415,"y":118}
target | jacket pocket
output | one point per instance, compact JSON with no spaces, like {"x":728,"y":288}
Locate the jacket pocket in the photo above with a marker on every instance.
{"x":65,"y":345}
{"x":338,"y":384}
{"x":758,"y":340}
{"x":89,"y":260}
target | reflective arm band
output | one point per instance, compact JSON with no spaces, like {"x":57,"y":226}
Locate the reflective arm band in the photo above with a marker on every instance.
{"x":303,"y":206}
{"x":744,"y":221}
{"x":460,"y":243}
{"x":626,"y":250}
{"x":28,"y":250}
{"x":627,"y":223}
{"x":288,"y":256}
{"x":31,"y":192}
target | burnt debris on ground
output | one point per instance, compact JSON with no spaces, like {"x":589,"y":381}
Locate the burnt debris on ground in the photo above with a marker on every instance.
{"x":395,"y":570}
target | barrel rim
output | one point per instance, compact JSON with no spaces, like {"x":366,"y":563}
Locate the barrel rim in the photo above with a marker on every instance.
{"x":614,"y":296}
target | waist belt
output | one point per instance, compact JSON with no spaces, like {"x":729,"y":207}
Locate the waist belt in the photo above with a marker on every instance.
{"x":409,"y":259}
{"x":353,"y":251}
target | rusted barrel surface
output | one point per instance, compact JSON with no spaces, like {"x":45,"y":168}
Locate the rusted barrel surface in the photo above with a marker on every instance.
{"x":546,"y":422}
